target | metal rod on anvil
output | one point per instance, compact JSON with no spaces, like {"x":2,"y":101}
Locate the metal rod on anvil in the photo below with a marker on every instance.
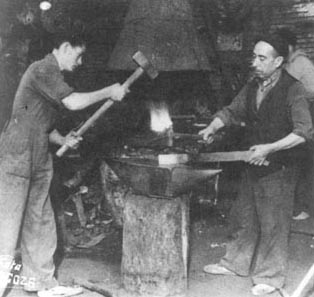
{"x":170,"y":134}
{"x":187,"y":135}
{"x":144,"y":66}
{"x":183,"y":117}
{"x":212,"y":157}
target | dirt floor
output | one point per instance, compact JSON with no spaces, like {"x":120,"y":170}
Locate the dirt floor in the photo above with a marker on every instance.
{"x":209,"y":234}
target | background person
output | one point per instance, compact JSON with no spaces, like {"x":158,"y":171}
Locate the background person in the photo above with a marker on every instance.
{"x":301,"y":67}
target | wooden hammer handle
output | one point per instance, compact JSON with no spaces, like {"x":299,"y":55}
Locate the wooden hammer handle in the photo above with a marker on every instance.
{"x":88,"y":124}
{"x":133,"y":77}
{"x":91,"y":121}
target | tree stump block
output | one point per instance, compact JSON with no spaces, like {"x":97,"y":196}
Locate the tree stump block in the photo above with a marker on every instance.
{"x":155,"y":245}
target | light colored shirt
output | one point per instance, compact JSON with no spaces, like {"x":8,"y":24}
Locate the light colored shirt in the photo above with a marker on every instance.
{"x":265,"y":86}
{"x":302,"y":68}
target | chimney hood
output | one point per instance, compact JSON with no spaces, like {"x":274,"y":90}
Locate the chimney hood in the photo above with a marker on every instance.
{"x":164,"y":31}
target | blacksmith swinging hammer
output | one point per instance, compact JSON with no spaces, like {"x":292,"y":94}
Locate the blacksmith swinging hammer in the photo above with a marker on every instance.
{"x":144,"y":67}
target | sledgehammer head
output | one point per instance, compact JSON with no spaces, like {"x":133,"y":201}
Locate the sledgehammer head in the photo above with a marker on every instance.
{"x":143,"y":62}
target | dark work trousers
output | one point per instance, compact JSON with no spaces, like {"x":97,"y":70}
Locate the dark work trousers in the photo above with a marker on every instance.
{"x":25,"y":207}
{"x":264,"y":209}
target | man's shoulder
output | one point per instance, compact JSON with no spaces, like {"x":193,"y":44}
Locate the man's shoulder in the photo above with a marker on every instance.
{"x":290,"y":84}
{"x":299,"y":57}
{"x":45,"y":66}
{"x":294,"y":86}
{"x":45,"y":61}
{"x":288,"y":78}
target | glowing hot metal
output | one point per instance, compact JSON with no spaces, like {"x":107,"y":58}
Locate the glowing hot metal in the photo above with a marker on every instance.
{"x":160,"y":117}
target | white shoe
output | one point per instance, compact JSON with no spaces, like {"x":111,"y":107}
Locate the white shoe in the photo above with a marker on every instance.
{"x":217,"y":269}
{"x":60,"y":291}
{"x":301,"y":216}
{"x":262,"y":289}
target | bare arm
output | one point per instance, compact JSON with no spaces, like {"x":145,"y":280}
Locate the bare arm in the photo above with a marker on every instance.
{"x":287,"y":142}
{"x":211,"y":129}
{"x":78,"y":101}
{"x":56,"y":138}
{"x":71,"y":139}
{"x":261,"y":151}
{"x":230,"y":115}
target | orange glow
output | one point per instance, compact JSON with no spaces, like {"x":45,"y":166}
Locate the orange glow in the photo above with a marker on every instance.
{"x":160,"y":119}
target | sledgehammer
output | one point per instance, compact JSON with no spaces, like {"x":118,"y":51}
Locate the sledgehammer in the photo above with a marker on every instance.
{"x":144,"y":66}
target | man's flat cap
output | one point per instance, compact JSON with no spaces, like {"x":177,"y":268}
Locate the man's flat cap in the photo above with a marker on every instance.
{"x":277,"y":42}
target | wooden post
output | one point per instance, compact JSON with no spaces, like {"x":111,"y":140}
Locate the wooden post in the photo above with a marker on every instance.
{"x":155,"y":228}
{"x":155,"y":245}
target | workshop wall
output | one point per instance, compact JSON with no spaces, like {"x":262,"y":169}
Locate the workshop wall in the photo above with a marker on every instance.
{"x":227,"y":29}
{"x":298,"y":15}
{"x":232,"y":26}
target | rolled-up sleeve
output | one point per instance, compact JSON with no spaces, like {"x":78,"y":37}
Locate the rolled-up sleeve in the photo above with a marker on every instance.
{"x":236,"y":112}
{"x":300,"y":112}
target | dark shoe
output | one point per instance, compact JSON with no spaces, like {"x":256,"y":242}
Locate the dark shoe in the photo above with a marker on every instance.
{"x":218,"y":269}
{"x":262,"y":289}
